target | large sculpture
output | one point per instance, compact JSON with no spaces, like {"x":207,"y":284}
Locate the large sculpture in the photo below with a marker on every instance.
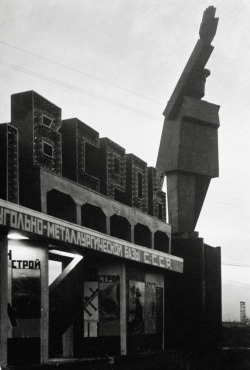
{"x":188,"y":152}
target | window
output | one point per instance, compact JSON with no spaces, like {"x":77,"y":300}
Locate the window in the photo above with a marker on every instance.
{"x":47,"y":121}
{"x":116,"y":165}
{"x":47,"y":149}
{"x":160,"y":211}
{"x":139,"y":185}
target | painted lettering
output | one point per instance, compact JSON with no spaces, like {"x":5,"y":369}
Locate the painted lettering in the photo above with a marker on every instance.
{"x":25,"y":264}
{"x":147,"y":258}
{"x":62,"y":232}
{"x":161,"y":262}
{"x":39,"y":227}
{"x":10,"y":255}
{"x":6,"y":214}
{"x":20,"y":222}
{"x":168,"y":263}
{"x":50,"y":229}
{"x":13,"y":219}
{"x":154,"y":260}
{"x":88,"y":241}
{"x":57,"y":232}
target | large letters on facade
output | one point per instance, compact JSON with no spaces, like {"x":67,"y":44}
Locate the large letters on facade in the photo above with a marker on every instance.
{"x":38,"y":138}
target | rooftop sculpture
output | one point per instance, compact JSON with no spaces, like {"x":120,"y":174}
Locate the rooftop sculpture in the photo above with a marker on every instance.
{"x":188,"y":152}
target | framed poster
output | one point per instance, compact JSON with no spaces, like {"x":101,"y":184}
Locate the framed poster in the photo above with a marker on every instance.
{"x":26,"y":293}
{"x":136,"y":307}
{"x":109,"y":306}
{"x":91,"y":308}
{"x":150,"y":308}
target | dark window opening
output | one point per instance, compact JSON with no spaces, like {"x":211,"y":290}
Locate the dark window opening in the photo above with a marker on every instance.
{"x":47,"y":121}
{"x":61,"y":205}
{"x":160,"y":211}
{"x":47,"y":149}
{"x":142,"y":235}
{"x":161,"y":242}
{"x":93,"y":217}
{"x":139,"y":184}
{"x":120,"y":228}
{"x":116,"y":165}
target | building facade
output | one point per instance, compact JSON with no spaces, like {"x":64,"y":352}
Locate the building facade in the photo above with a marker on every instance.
{"x":127,"y":281}
{"x":80,"y":201}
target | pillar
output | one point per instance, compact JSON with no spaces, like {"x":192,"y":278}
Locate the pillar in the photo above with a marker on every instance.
{"x":123,"y":311}
{"x":68,"y":343}
{"x":132,"y":233}
{"x":45,"y":306}
{"x":78,"y":213}
{"x":68,"y":335}
{"x":107,"y":225}
{"x":152,"y":239}
{"x":3,"y":297}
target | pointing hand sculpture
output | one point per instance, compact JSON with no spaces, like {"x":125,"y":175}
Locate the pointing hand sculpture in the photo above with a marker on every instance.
{"x":209,"y":25}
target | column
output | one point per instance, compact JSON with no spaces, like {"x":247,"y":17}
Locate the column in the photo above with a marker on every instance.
{"x":68,"y":335}
{"x":3,"y":296}
{"x":45,"y":306}
{"x":123,"y":310}
{"x":68,"y":343}
{"x":78,"y":213}
{"x":107,"y":225}
{"x":132,"y":233}
{"x":152,"y":239}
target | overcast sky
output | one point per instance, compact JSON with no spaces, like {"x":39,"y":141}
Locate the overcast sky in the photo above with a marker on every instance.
{"x":123,"y":59}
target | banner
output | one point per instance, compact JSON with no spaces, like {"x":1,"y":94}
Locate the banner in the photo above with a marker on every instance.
{"x":26,"y":220}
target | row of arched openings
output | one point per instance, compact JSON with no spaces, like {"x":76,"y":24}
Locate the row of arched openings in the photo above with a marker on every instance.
{"x":62,"y":206}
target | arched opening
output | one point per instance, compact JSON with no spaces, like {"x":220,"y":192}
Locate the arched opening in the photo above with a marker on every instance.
{"x":142,"y":235}
{"x":61,"y":205}
{"x":161,"y":242}
{"x":93,"y":217}
{"x":120,"y":228}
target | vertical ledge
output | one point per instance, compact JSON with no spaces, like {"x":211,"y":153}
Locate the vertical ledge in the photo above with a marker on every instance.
{"x":107,"y":225}
{"x":3,"y":297}
{"x":45,"y":308}
{"x":152,"y":239}
{"x":68,"y":335}
{"x":78,"y":214}
{"x":123,"y":311}
{"x":68,"y":343}
{"x":132,"y":233}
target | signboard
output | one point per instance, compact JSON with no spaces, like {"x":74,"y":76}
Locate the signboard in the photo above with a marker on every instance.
{"x":24,"y":219}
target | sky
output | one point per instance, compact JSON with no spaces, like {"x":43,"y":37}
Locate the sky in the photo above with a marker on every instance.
{"x":114,"y":64}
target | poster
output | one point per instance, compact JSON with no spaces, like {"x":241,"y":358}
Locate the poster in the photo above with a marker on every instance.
{"x":109,"y":306}
{"x":136,"y":307}
{"x":91,"y":309}
{"x":26,"y":293}
{"x":150,"y":308}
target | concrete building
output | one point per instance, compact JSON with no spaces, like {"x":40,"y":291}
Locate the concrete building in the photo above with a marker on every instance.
{"x":130,"y":282}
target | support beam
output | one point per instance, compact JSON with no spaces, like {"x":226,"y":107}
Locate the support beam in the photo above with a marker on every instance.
{"x":68,"y":343}
{"x":3,"y":297}
{"x":123,"y":311}
{"x":45,"y":311}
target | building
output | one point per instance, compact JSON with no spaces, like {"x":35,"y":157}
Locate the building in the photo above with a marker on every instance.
{"x":129,"y":281}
